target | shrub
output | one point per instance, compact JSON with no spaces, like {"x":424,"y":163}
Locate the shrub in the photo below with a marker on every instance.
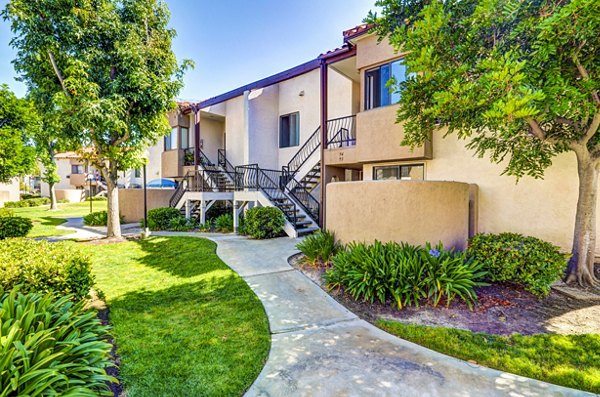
{"x":404,"y":274}
{"x":32,"y":202}
{"x":13,"y":226}
{"x":224,"y":223}
{"x":264,"y":222}
{"x":40,"y":266}
{"x":98,"y":198}
{"x":98,"y":218}
{"x":181,"y":224}
{"x":523,"y":260}
{"x":319,"y":247}
{"x":27,"y":196}
{"x":160,"y":218}
{"x":51,"y":347}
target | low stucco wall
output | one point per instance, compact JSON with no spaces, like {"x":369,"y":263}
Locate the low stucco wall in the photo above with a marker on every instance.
{"x":131,"y":202}
{"x":413,"y":211}
{"x":70,"y":195}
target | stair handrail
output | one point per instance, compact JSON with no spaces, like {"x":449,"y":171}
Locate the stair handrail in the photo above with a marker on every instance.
{"x":225,"y":164}
{"x":179,"y":191}
{"x":302,"y":196}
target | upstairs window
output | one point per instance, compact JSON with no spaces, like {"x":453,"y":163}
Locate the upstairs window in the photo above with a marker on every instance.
{"x":289,"y":130}
{"x":185,"y":137}
{"x":171,"y":140}
{"x":411,"y":172}
{"x":137,"y":173}
{"x":77,"y":169}
{"x":377,"y":92}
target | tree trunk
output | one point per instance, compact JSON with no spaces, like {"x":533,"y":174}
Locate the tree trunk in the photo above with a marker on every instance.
{"x":113,"y":229}
{"x":581,"y":264}
{"x":53,"y":202}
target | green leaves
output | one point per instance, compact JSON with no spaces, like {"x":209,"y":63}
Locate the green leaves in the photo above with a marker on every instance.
{"x":263,"y":222}
{"x":524,"y":260}
{"x":405,"y":274}
{"x":51,"y":346}
{"x":486,"y":68}
{"x":319,"y":247}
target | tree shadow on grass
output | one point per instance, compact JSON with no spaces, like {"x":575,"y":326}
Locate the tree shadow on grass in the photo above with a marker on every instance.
{"x":182,"y":256}
{"x":204,"y":338}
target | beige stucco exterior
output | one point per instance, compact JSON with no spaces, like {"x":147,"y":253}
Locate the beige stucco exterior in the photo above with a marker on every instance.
{"x":9,"y":191}
{"x":131,"y":202}
{"x":412,"y":211}
{"x":71,"y":195}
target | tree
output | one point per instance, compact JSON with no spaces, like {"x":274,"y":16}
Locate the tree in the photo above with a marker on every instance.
{"x":518,"y":79}
{"x":108,"y":67}
{"x":17,"y":123}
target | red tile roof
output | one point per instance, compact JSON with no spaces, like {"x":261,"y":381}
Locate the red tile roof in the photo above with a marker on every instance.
{"x":357,"y":31}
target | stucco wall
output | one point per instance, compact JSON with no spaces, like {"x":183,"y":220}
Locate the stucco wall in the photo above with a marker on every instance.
{"x":411,"y":211}
{"x":131,"y":202}
{"x":263,"y":118}
{"x":211,"y":134}
{"x":71,"y":195}
{"x":544,"y":208}
{"x":235,"y":130}
{"x":9,"y":191}
{"x":371,"y":52}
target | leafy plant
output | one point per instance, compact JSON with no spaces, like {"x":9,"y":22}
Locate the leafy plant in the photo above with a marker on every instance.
{"x":224,"y":223}
{"x":160,"y":218}
{"x":319,"y":247}
{"x":523,"y":260}
{"x":32,"y":202}
{"x":40,"y":266}
{"x":264,"y":222}
{"x":14,"y":226}
{"x":404,"y":274}
{"x":181,"y":224}
{"x":51,"y":347}
{"x":98,"y":218}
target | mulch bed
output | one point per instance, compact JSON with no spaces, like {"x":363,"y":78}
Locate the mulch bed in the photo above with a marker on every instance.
{"x":502,"y":309}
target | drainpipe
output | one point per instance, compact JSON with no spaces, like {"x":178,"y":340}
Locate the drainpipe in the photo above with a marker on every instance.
{"x":196,"y":109}
{"x":323,"y":70}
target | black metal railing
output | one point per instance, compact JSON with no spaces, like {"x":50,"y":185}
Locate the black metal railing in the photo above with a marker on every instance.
{"x":225,"y":164}
{"x":205,"y":180}
{"x":188,"y":158}
{"x":341,"y":132}
{"x":252,"y":177}
{"x":306,"y":200}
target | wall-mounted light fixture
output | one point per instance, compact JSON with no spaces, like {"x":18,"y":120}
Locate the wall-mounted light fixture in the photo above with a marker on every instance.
{"x":301,"y":93}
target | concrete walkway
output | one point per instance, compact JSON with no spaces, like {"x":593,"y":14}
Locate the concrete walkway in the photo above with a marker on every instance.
{"x":321,"y":349}
{"x":82,"y":232}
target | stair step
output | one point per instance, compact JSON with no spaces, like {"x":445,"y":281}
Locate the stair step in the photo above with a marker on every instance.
{"x":306,"y":231}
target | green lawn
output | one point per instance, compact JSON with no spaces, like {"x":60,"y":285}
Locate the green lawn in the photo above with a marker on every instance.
{"x":185,"y":324}
{"x":567,"y":360}
{"x":45,"y":221}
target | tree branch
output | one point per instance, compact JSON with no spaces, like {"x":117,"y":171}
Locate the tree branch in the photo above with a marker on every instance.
{"x":585,"y":75}
{"x":592,"y":129}
{"x":58,"y":74}
{"x":536,"y":130}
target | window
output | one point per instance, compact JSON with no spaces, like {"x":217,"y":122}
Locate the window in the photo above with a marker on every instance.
{"x":377,"y":91}
{"x":171,"y":140}
{"x":289,"y":130}
{"x":77,"y":169}
{"x":137,"y":173}
{"x":410,"y":172}
{"x":185,"y":137}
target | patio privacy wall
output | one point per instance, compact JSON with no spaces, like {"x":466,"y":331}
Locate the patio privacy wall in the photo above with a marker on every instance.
{"x":131,"y":202}
{"x":412,"y":211}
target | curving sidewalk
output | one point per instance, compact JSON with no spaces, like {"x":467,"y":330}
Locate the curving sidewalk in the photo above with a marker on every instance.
{"x":319,"y":348}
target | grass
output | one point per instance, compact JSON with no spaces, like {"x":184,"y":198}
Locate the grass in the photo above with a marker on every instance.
{"x":566,"y":360}
{"x":45,"y":220}
{"x":184,"y":323}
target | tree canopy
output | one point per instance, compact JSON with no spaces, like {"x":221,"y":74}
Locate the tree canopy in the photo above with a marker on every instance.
{"x":108,"y":68}
{"x":18,"y":122}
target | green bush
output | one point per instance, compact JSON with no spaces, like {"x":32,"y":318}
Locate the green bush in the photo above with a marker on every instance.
{"x":27,"y":196}
{"x":32,"y":202}
{"x":523,"y":260}
{"x":181,"y":224}
{"x":51,"y":347}
{"x":160,"y":218}
{"x":319,"y":247}
{"x":224,"y":223}
{"x":98,"y":198}
{"x":98,"y":218}
{"x":404,"y":274}
{"x":40,"y":266}
{"x":264,"y":222}
{"x":13,"y":226}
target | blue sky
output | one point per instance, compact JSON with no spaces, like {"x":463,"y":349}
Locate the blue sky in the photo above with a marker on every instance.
{"x":235,"y":42}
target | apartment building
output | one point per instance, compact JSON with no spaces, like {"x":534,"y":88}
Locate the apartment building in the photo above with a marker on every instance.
{"x":333,"y":120}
